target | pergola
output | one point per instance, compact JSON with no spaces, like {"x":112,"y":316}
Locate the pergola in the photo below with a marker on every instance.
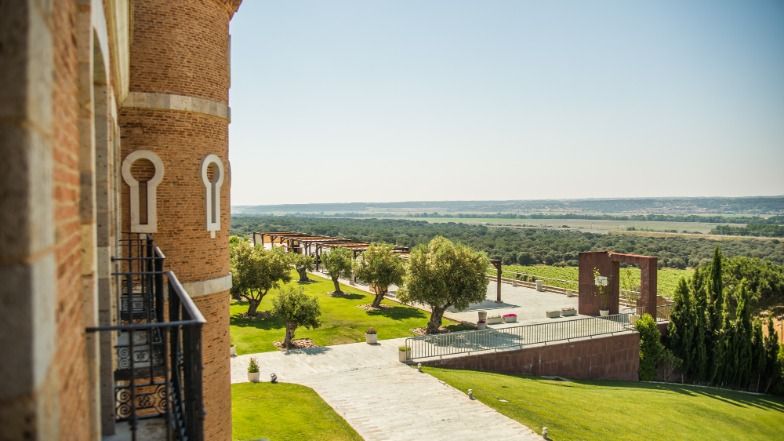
{"x":313,"y":245}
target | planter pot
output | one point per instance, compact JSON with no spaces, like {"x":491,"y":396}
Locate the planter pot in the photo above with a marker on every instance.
{"x":495,"y":320}
{"x":568,"y":312}
{"x":553,"y":314}
{"x":481,"y":325}
{"x":604,"y":312}
{"x":253,"y":377}
{"x":371,"y":339}
{"x":233,"y":351}
{"x":510,"y":318}
{"x":482,"y":316}
{"x":402,"y":356}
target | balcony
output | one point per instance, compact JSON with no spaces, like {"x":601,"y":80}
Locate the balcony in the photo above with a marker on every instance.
{"x":154,"y":348}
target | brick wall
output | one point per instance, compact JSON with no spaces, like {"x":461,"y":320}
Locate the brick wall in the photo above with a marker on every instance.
{"x":182,"y":140}
{"x":217,"y":366}
{"x":614,"y":357}
{"x":194,"y":59}
{"x":70,"y":356}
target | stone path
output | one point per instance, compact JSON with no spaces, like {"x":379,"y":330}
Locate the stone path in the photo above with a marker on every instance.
{"x":382,"y":398}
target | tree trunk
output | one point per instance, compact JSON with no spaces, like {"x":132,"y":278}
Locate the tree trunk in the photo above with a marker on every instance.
{"x":303,"y":275}
{"x":435,"y":319}
{"x":380,"y":293}
{"x":253,"y":305}
{"x":290,"y":328}
{"x":337,"y":286}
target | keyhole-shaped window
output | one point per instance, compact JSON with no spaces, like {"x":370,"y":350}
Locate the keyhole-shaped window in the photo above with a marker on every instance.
{"x":212,"y":177}
{"x":142,"y":170}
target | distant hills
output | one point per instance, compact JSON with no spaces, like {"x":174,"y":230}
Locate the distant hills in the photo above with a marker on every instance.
{"x":746,"y":206}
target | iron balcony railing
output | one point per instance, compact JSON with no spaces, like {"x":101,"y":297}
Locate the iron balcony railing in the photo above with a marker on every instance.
{"x":469,"y":342}
{"x":156,"y":345}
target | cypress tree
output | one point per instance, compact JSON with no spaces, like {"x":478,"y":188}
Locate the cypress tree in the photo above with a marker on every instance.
{"x":758,"y":357}
{"x":771,"y":357}
{"x":681,"y":328}
{"x":742,"y":346}
{"x":716,"y":291}
{"x":723,"y":360}
{"x":702,"y":336}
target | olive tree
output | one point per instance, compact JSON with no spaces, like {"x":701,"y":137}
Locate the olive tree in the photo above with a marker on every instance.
{"x":255,"y":271}
{"x":296,"y":309}
{"x":303,"y":263}
{"x":442,"y":274}
{"x":379,"y":267}
{"x":338,"y":264}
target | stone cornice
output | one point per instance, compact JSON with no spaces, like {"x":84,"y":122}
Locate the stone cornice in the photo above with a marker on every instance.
{"x":166,"y":101}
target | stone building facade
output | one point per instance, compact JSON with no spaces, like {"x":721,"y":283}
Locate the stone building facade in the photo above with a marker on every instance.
{"x":113,"y":118}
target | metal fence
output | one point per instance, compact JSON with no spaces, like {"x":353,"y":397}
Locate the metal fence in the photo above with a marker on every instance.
{"x":468,"y":342}
{"x":156,"y":345}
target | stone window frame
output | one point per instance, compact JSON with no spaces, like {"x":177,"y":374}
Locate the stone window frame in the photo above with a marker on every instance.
{"x":152,"y":190}
{"x":212,"y":196}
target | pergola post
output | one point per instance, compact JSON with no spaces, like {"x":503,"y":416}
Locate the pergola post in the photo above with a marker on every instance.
{"x":497,"y":264}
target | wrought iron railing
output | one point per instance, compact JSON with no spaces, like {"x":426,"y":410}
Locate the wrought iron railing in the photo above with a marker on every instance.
{"x":157,"y":350}
{"x":471,"y":342}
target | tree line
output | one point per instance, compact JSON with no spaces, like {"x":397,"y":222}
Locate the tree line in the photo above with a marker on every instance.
{"x":715,"y":335}
{"x":515,"y":245}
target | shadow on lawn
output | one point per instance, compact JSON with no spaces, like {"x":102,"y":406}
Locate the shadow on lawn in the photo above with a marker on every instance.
{"x":346,"y":295}
{"x":727,"y":396}
{"x":265,"y":322}
{"x":398,"y":312}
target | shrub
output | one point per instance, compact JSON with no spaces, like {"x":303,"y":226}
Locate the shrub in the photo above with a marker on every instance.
{"x":651,"y":348}
{"x":253,"y":366}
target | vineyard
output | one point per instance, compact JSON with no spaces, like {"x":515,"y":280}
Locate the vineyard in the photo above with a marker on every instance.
{"x":566,"y":276}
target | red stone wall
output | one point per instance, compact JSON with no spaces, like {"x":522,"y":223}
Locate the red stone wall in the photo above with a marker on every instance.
{"x":70,"y":356}
{"x":614,"y":357}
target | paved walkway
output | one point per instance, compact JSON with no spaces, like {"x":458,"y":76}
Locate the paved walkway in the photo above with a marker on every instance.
{"x":382,"y":398}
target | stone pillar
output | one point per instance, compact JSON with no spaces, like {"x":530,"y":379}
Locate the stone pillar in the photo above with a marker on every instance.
{"x":648,"y":286}
{"x":177,"y":109}
{"x":588,"y":300}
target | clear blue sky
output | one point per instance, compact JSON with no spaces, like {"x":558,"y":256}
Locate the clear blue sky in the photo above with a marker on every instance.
{"x":393,"y":100}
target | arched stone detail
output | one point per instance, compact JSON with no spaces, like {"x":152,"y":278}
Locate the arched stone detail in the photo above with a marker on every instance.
{"x":152,"y":188}
{"x":212,"y":192}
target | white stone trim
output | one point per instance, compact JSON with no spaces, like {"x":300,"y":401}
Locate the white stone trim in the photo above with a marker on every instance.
{"x":206,"y":287}
{"x":152,"y":189}
{"x":168,"y":101}
{"x":212,"y":196}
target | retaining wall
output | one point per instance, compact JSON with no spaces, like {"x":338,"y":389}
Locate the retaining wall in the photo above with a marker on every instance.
{"x":613,"y":357}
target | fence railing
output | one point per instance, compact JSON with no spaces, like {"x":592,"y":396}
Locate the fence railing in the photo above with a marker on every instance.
{"x":468,"y":342}
{"x":157,"y":345}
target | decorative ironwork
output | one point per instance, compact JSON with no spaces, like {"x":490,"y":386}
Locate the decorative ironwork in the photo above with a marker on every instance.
{"x":158,"y":344}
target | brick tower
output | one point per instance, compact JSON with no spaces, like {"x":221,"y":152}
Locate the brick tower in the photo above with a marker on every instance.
{"x":174,"y":145}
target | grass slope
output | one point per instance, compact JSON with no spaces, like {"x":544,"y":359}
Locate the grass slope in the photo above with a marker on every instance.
{"x":566,"y":276}
{"x":284,"y":412}
{"x":342,"y":321}
{"x":621,"y":410}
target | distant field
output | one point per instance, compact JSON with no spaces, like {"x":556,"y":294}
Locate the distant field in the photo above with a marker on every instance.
{"x":566,"y":276}
{"x":587,"y":225}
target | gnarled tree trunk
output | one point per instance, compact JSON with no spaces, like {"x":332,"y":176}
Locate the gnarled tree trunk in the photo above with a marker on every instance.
{"x":436,"y":315}
{"x":303,"y":274}
{"x":380,"y":293}
{"x":290,"y":328}
{"x":337,"y":286}
{"x":253,"y":305}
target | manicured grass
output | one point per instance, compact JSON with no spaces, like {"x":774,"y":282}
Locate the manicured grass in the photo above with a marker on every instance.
{"x":284,"y":412}
{"x":566,"y":276}
{"x":622,"y":410}
{"x":342,"y":321}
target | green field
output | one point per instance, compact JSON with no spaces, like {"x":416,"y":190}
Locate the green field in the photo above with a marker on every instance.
{"x":623,"y":410}
{"x":284,"y":412}
{"x":587,"y":225}
{"x":342,"y":321}
{"x":566,"y":276}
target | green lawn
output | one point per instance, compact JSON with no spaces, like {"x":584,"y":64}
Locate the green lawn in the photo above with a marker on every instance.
{"x":284,"y":412}
{"x":624,"y":411}
{"x":341,"y":319}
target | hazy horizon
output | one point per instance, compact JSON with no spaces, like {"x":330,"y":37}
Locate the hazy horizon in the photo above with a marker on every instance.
{"x":396,"y":101}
